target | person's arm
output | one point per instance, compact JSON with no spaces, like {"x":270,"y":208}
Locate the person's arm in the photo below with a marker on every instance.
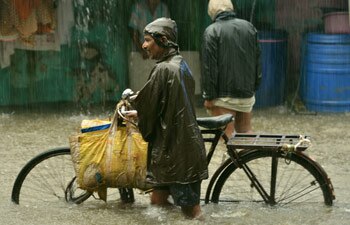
{"x":209,"y":66}
{"x":148,"y":105}
{"x":258,"y":64}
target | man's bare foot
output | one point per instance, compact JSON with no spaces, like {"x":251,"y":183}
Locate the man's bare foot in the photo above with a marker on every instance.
{"x":160,"y":197}
{"x":193,"y":212}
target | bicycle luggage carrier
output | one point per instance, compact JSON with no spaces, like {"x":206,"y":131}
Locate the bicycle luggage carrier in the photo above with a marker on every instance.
{"x":254,"y":141}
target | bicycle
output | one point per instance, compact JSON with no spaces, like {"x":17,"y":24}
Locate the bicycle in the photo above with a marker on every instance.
{"x":267,"y":168}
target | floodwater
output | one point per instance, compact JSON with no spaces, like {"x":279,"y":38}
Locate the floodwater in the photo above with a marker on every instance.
{"x":25,"y":134}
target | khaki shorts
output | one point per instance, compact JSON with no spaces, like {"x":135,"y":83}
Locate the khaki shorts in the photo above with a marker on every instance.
{"x":236,"y":104}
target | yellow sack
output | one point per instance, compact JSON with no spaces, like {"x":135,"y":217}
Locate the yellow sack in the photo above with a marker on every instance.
{"x":113,"y":157}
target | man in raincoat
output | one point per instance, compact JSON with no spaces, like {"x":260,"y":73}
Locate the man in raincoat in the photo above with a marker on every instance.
{"x":231,"y":67}
{"x":167,"y":121}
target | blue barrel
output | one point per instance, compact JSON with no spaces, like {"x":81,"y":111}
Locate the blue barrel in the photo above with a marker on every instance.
{"x":273,"y":46}
{"x":325,"y":81}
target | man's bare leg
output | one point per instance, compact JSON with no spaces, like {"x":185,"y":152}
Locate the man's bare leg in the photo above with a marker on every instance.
{"x":193,"y":212}
{"x":160,"y":197}
{"x":217,"y":111}
{"x":243,"y":122}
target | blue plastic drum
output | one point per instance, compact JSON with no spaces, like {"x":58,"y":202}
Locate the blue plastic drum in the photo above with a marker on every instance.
{"x":325,"y":82}
{"x":274,"y":63}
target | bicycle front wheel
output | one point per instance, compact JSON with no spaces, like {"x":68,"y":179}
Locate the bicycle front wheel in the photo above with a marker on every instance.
{"x":48,"y":177}
{"x":283,"y":179}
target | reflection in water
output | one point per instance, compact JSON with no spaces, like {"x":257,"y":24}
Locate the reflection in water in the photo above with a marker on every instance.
{"x":25,"y":134}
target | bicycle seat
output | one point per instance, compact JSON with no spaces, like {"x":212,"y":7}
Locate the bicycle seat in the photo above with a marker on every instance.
{"x":214,"y":122}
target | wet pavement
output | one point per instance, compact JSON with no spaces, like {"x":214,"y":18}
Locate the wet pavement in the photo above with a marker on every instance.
{"x":26,"y":133}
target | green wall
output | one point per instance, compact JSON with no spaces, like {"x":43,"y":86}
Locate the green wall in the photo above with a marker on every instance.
{"x":69,"y":75}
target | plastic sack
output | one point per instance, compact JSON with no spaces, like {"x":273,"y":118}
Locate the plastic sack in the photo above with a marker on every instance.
{"x":94,"y":125}
{"x":112,"y":157}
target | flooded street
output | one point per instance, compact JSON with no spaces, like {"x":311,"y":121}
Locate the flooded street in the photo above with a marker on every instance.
{"x":25,"y":134}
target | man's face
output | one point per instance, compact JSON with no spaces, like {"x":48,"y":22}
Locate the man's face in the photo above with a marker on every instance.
{"x":150,"y":46}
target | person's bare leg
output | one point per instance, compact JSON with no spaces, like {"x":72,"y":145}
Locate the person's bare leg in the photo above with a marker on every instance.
{"x":160,"y":197}
{"x":193,"y":212}
{"x":217,"y":111}
{"x":243,"y":122}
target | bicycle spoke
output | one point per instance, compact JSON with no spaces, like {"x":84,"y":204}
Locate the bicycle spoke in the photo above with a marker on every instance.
{"x":299,"y":194}
{"x":45,"y":178}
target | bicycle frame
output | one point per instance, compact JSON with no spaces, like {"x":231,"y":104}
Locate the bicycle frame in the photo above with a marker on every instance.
{"x":284,"y":143}
{"x":248,"y":154}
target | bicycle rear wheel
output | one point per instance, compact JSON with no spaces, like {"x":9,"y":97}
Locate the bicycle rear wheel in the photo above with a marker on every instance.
{"x":285,"y":178}
{"x":48,"y":177}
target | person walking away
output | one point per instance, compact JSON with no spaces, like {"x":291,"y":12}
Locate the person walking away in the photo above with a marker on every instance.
{"x":167,"y":121}
{"x":231,"y":67}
